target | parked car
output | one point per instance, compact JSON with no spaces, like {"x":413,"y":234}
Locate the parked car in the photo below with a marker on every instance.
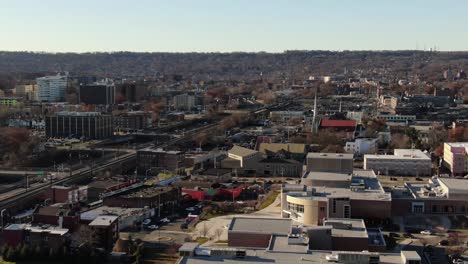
{"x":331,"y":258}
{"x":426,"y":232}
{"x":146,"y":221}
{"x":165,"y":220}
{"x":184,"y":226}
{"x":444,"y":242}
{"x":153,"y":227}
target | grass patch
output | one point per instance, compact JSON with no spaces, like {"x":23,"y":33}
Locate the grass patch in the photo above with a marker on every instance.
{"x":269,"y":200}
{"x":201,"y":240}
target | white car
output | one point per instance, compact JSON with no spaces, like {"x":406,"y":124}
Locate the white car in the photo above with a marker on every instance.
{"x":165,"y":220}
{"x":153,"y":227}
{"x":426,"y":232}
{"x":331,"y":258}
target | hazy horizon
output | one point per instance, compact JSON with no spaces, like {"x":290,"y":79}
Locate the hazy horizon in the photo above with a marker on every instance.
{"x":210,"y":26}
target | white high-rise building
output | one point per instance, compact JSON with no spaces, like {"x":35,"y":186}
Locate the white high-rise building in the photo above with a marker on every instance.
{"x":52,"y":88}
{"x":184,"y":102}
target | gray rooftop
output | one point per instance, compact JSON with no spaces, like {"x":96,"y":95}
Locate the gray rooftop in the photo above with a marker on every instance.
{"x":347,"y":227}
{"x":327,"y":176}
{"x":329,"y":155}
{"x":400,"y":154}
{"x":104,"y":220}
{"x":455,"y":186}
{"x":262,"y":256}
{"x":277,"y":226}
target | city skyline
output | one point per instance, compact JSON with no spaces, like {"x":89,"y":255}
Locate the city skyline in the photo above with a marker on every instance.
{"x":214,"y":26}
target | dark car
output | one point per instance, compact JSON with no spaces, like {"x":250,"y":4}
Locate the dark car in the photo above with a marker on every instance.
{"x":444,"y":242}
{"x":183,"y":226}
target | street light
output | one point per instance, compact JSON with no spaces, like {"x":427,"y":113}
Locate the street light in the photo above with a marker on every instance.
{"x":1,"y":216}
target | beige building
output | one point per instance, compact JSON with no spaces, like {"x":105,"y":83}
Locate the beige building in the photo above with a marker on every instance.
{"x":330,"y":162}
{"x":28,"y":91}
{"x":456,"y":157}
{"x":404,"y":162}
{"x":334,"y":195}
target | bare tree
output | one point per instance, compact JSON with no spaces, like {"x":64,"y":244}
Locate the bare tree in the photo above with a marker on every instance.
{"x":204,"y":230}
{"x":218,"y":232}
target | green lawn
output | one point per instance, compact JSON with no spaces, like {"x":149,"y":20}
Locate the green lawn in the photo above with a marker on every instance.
{"x":269,"y":200}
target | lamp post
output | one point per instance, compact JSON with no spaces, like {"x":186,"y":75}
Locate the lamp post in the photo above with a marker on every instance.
{"x":1,"y":216}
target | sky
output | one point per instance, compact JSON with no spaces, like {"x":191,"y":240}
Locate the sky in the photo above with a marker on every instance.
{"x":231,"y":25}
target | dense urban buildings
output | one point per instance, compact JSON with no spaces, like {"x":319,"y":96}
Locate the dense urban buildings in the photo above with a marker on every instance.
{"x":308,"y":157}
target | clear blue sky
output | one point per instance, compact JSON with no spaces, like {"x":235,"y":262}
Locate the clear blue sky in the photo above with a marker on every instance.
{"x":231,"y":25}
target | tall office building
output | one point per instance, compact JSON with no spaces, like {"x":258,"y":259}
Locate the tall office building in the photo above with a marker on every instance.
{"x":99,"y":93}
{"x":52,"y":88}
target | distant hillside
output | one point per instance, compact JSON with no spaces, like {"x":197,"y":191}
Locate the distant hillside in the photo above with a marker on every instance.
{"x":231,"y":65}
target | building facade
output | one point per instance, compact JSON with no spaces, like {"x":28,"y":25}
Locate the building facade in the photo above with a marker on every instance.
{"x":329,"y":162}
{"x":456,"y":158}
{"x":101,"y":93}
{"x":52,"y":88}
{"x":156,"y":160}
{"x":404,"y":162}
{"x":184,"y":102}
{"x":88,"y":125}
{"x":361,"y":146}
{"x":131,"y":120}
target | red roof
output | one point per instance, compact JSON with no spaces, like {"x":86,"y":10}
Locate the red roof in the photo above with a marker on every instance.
{"x":337,"y":123}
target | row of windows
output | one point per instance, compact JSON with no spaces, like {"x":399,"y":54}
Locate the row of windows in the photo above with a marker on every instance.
{"x":296,"y":207}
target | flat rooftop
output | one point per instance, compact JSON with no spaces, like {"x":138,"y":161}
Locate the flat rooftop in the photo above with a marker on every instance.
{"x":318,"y":155}
{"x":277,"y":226}
{"x":347,"y":227}
{"x":38,"y":229}
{"x":281,"y":243}
{"x":332,"y":176}
{"x":104,"y":220}
{"x":455,"y":186}
{"x":106,"y":210}
{"x":323,"y":193}
{"x":408,"y":154}
{"x":458,"y":144}
{"x":145,"y":192}
{"x":262,"y":256}
{"x":327,"y":176}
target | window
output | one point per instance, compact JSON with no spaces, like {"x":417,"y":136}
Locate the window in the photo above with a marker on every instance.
{"x":296,"y":207}
{"x":346,"y":211}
